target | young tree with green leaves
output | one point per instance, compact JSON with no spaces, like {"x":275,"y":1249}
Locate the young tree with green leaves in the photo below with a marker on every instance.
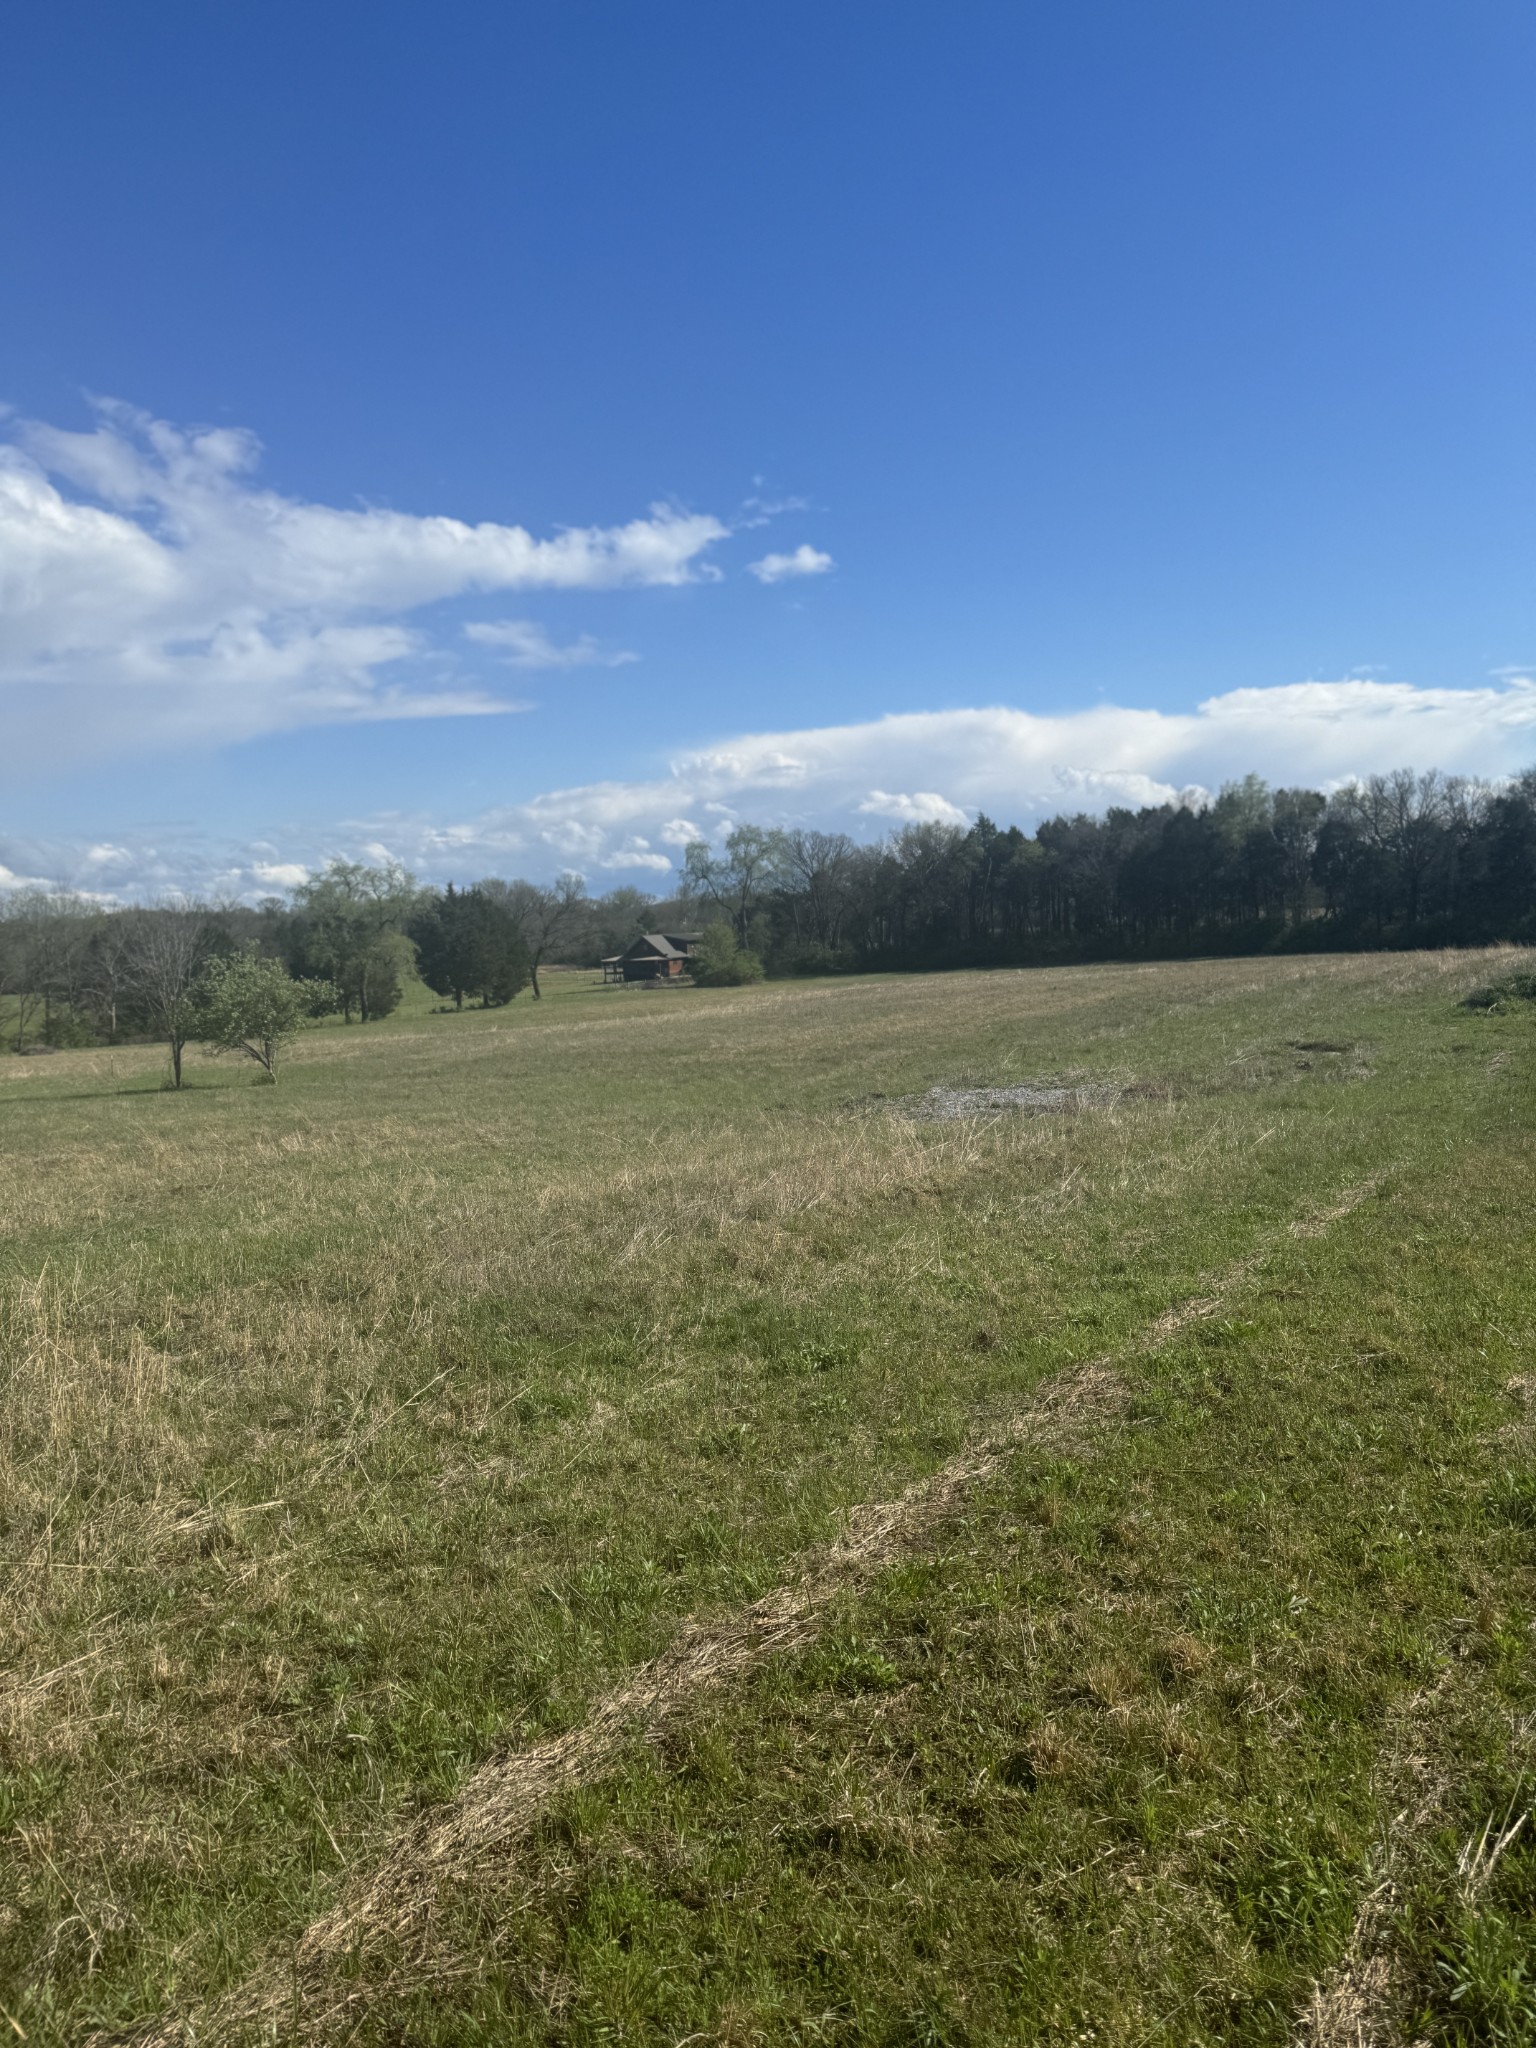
{"x":253,"y":1006}
{"x":350,"y":928}
{"x":736,"y":880}
{"x":720,"y":962}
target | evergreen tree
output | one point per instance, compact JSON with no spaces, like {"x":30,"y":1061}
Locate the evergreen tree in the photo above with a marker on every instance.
{"x":469,"y":944}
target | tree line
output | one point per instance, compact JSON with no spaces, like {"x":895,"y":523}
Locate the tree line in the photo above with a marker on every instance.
{"x":239,"y":978}
{"x":1396,"y":860}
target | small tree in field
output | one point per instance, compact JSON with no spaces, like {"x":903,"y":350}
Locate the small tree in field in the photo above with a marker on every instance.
{"x":167,"y":951}
{"x":246,"y":1004}
{"x":721,"y":963}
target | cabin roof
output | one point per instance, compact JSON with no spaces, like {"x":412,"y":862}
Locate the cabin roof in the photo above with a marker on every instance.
{"x":667,"y":946}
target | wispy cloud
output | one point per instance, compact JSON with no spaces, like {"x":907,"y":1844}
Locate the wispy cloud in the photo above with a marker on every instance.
{"x":1016,"y":765}
{"x":523,"y":643}
{"x":151,"y":590}
{"x":803,"y":561}
{"x":760,"y":511}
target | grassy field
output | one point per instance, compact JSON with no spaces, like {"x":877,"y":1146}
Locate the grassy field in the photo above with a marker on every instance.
{"x":363,"y":1441}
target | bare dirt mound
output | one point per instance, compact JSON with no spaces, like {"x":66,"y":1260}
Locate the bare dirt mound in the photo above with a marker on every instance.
{"x":945,"y":1105}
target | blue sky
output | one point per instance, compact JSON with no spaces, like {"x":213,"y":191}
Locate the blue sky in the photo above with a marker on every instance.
{"x":1078,"y":368}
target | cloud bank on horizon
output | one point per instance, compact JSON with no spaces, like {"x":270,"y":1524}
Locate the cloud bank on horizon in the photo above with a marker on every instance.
{"x":867,"y":778}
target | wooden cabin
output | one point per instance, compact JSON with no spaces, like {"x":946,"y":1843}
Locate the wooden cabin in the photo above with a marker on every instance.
{"x":654,"y":956}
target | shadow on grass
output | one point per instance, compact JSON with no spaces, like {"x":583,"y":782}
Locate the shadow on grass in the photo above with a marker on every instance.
{"x":131,"y":1088}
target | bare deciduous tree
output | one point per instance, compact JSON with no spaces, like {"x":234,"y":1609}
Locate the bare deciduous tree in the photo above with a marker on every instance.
{"x":814,"y":868}
{"x":106,"y":976}
{"x":168,"y":949}
{"x":42,"y":952}
{"x":734,"y":881}
{"x":546,"y":917}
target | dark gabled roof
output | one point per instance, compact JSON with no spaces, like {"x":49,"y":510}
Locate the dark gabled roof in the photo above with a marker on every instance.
{"x":683,"y":940}
{"x":655,"y":942}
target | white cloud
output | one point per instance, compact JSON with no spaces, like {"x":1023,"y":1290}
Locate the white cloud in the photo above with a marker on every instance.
{"x":804,"y":561}
{"x":1100,"y":789}
{"x":280,"y":874}
{"x":755,"y":764}
{"x":923,"y":807}
{"x":636,"y":853}
{"x":522,"y":643}
{"x":1018,"y":766}
{"x":10,"y":879}
{"x":152,"y":591}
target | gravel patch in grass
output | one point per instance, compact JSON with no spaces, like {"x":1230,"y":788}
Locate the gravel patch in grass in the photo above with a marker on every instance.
{"x":948,"y":1105}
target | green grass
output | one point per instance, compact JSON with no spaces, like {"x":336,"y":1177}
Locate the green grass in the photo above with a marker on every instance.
{"x":357,"y":1428}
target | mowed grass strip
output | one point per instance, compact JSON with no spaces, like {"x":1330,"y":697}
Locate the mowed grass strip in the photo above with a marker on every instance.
{"x":356,"y":1426}
{"x":1132,"y":1753}
{"x":391,"y":1910}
